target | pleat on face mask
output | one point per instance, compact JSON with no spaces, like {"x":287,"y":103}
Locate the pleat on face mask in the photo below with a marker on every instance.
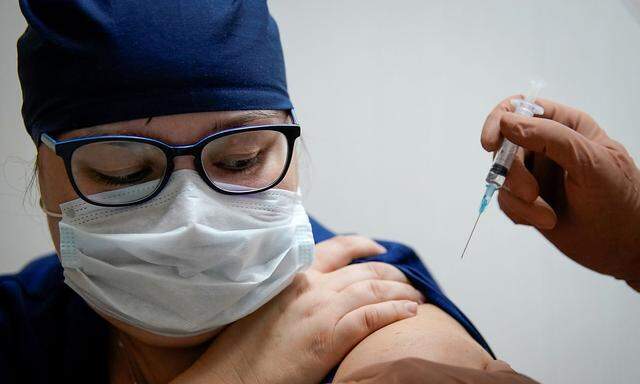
{"x":188,"y":261}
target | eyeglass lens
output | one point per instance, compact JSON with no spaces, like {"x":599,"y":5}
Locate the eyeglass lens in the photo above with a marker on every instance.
{"x":121,"y":172}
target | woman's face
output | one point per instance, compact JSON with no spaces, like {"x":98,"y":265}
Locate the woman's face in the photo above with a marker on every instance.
{"x":55,"y":187}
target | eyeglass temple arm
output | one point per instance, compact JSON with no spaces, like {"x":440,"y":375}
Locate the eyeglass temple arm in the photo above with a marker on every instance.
{"x":48,"y":141}
{"x":294,"y":117}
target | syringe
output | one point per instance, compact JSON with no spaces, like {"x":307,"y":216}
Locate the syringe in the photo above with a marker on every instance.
{"x":504,"y":158}
{"x":506,"y":154}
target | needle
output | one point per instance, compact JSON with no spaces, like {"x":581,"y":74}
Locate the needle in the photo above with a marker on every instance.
{"x":470,"y":235}
{"x":486,"y":199}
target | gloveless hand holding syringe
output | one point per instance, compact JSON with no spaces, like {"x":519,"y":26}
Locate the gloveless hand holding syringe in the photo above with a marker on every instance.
{"x":504,"y":158}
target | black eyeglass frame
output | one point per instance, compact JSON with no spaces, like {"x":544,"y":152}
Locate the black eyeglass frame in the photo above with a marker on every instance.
{"x":66,"y":148}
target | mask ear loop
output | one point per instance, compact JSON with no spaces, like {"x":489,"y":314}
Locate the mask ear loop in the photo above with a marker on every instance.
{"x":46,"y":212}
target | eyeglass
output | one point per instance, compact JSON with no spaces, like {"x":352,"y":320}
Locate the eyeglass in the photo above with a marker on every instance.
{"x":120,"y":170}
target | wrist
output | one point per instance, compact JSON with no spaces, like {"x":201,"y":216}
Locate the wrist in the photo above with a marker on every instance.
{"x":222,"y":376}
{"x":218,"y":368}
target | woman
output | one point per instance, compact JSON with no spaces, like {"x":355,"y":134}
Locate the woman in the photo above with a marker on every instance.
{"x":168,"y":171}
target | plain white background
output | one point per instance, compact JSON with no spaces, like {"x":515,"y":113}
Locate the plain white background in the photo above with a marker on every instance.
{"x":392,"y":96}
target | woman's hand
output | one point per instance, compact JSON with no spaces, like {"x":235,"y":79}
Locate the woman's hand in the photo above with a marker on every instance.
{"x":309,"y":327}
{"x":577,"y":186}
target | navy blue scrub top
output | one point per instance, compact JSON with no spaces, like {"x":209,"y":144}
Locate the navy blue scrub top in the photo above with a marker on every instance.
{"x":48,"y":334}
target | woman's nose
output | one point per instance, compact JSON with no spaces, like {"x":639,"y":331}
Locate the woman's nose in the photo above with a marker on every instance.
{"x":184,"y":162}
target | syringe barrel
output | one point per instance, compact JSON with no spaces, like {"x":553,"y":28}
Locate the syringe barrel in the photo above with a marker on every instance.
{"x":526,"y":108}
{"x":506,"y":154}
{"x":502,"y":163}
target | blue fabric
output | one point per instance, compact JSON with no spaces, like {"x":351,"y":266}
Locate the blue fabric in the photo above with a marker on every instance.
{"x":89,"y":62}
{"x":407,"y":261}
{"x":48,"y":334}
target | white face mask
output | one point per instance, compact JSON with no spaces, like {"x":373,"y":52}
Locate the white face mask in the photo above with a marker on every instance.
{"x":188,"y":261}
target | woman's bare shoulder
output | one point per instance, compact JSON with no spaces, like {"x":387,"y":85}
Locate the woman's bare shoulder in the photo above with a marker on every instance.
{"x":432,"y":335}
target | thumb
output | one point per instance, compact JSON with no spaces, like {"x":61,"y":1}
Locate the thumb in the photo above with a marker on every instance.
{"x":569,"y":149}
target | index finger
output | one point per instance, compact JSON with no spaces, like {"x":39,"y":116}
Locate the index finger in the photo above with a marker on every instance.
{"x":339,"y":251}
{"x":568,"y":148}
{"x":490,"y":137}
{"x":573,"y":118}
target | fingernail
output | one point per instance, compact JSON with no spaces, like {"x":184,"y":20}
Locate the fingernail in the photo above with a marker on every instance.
{"x":411,"y":307}
{"x":547,"y":224}
{"x":381,"y":249}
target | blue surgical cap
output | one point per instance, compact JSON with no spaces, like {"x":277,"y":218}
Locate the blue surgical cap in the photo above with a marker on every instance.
{"x":88,"y":62}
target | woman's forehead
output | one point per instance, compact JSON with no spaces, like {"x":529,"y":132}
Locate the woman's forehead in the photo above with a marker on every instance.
{"x":183,"y":128}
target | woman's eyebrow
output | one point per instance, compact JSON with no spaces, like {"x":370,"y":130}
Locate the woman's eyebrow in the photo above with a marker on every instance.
{"x":251,"y":117}
{"x":242,"y":119}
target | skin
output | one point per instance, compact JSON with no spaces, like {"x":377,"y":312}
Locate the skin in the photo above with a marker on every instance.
{"x":570,"y":181}
{"x":574,"y":184}
{"x":427,"y":333}
{"x":415,"y":370}
{"x":55,"y":189}
{"x":432,"y":335}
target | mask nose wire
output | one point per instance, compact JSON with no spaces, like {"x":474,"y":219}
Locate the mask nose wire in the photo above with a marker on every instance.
{"x":183,"y":162}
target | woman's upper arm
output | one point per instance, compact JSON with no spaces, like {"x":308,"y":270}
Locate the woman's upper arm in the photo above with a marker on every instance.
{"x":432,"y":335}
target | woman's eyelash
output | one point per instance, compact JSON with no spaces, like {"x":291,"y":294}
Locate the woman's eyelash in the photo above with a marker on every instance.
{"x":118,"y":180}
{"x":249,"y":162}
